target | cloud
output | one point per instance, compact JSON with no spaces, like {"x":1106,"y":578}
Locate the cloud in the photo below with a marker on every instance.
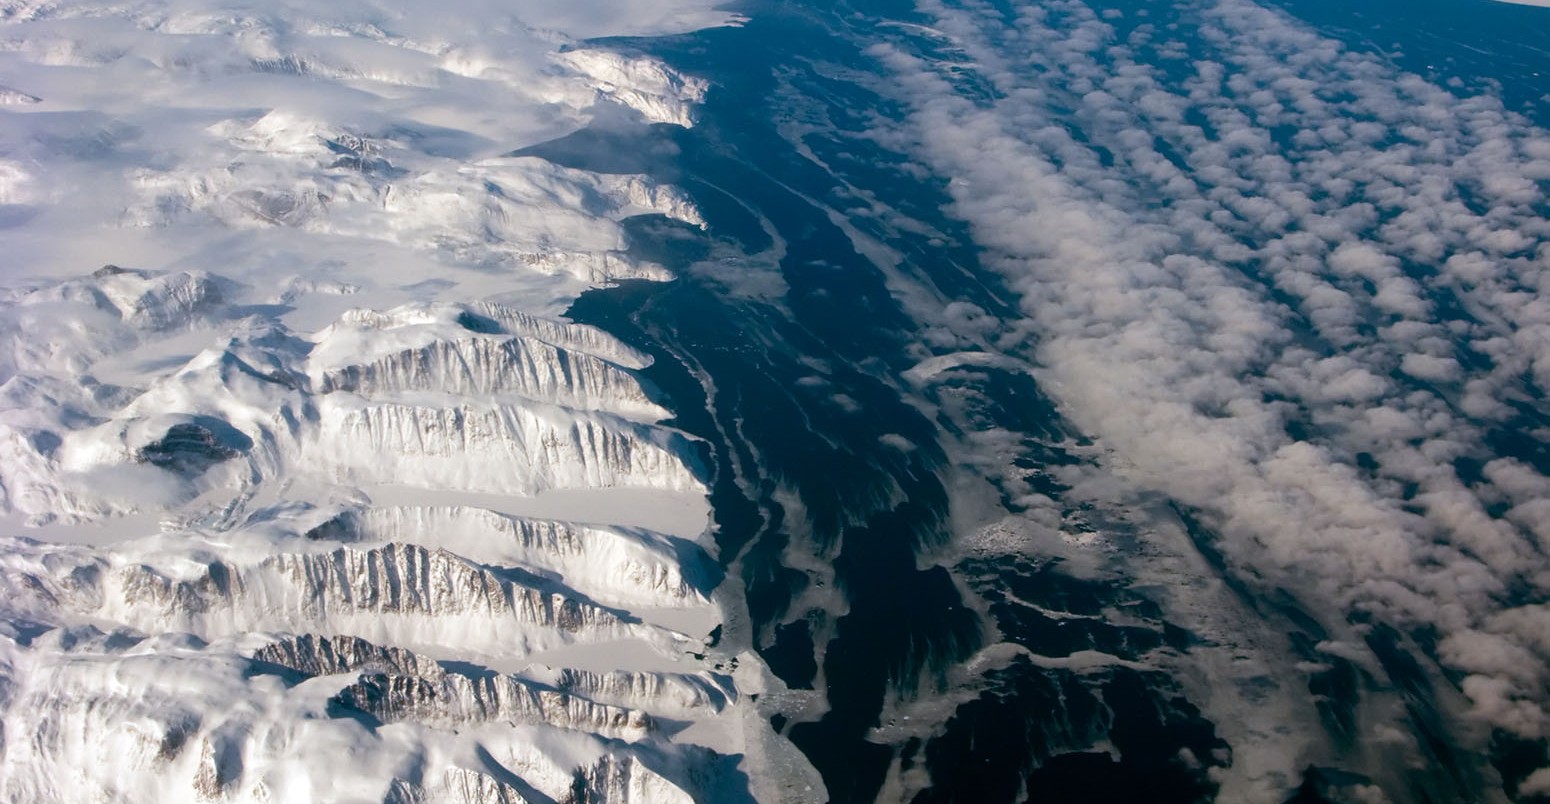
{"x":1538,"y":782}
{"x":1289,"y":285}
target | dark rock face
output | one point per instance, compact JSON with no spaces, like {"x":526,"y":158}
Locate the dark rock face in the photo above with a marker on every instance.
{"x":191,"y":448}
{"x":312,"y":655}
{"x":340,"y":528}
{"x":478,"y":323}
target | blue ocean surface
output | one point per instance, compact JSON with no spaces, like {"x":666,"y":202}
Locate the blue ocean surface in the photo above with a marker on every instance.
{"x":1486,"y":44}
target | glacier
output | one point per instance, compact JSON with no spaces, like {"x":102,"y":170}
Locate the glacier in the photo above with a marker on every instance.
{"x":629,"y":400}
{"x":282,"y":361}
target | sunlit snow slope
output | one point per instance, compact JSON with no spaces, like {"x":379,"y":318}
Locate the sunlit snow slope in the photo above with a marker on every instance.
{"x":310,"y":492}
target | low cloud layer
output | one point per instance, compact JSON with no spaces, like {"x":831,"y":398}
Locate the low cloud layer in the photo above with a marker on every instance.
{"x":1290,"y":286}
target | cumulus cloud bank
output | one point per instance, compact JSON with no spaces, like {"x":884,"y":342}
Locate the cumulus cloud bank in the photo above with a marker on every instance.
{"x":1291,"y":287}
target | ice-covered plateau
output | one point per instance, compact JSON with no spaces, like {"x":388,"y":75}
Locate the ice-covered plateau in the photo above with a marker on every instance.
{"x":320,"y":497}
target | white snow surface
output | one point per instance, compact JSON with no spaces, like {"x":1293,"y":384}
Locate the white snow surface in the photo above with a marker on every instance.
{"x":272,"y":492}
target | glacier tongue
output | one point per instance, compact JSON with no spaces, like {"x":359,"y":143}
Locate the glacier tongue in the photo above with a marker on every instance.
{"x":345,"y":281}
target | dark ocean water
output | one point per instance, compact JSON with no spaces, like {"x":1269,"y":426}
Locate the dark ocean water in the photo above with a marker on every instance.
{"x":740,"y":372}
{"x":795,"y":389}
{"x":1478,"y":45}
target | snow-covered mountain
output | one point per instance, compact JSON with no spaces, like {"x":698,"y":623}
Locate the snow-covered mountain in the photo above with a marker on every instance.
{"x":310,"y":491}
{"x":626,"y":400}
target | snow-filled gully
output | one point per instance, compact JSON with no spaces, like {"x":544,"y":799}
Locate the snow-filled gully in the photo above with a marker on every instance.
{"x":209,"y":589}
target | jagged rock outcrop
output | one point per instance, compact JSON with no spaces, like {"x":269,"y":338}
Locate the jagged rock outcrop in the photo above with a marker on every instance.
{"x":454,"y":700}
{"x":626,"y":779}
{"x":193,"y":447}
{"x":291,"y":590}
{"x":463,"y":786}
{"x":513,"y":450}
{"x":478,"y":350}
{"x":338,"y":302}
{"x":607,"y":564}
{"x":488,"y":366}
{"x":313,"y":655}
{"x":468,"y":397}
{"x":685,"y":693}
{"x":395,"y":684}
